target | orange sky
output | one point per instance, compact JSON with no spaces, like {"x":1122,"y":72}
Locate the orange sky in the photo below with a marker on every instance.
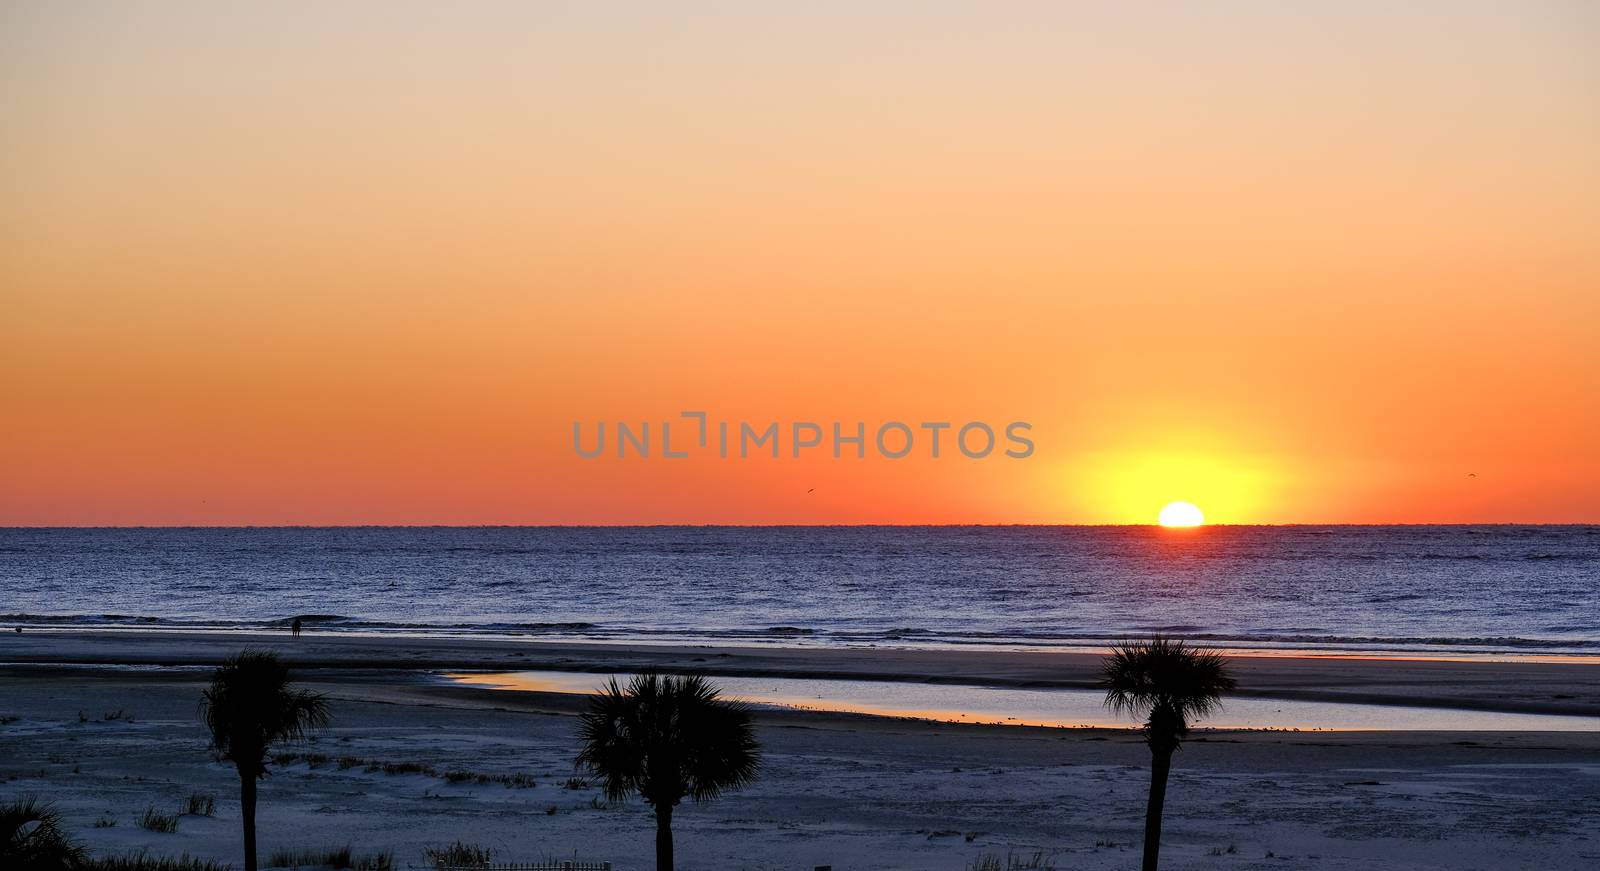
{"x":367,"y":263}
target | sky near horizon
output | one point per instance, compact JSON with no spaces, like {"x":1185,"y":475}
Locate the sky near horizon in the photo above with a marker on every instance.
{"x":368,"y":262}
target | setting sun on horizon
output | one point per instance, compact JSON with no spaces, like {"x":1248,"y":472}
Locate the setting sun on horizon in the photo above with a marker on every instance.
{"x":1181,"y":514}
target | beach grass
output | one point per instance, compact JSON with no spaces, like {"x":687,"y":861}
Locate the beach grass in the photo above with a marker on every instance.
{"x":459,"y":854}
{"x":516,"y":780}
{"x":146,"y":862}
{"x":156,"y":821}
{"x":1035,"y":861}
{"x":199,"y":804}
{"x":339,"y":858}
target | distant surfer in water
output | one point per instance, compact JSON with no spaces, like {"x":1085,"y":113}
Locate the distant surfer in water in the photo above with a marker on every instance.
{"x":294,"y":628}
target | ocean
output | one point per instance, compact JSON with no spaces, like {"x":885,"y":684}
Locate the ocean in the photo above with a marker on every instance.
{"x":1433,"y":590}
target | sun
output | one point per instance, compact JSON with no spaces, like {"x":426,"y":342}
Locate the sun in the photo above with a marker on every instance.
{"x":1181,"y":514}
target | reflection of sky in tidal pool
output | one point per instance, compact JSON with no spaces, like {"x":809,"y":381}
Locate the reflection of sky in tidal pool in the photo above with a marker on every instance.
{"x":1054,"y":707}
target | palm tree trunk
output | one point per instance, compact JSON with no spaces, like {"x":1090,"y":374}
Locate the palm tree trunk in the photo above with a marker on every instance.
{"x":1160,"y":765}
{"x":663,"y":837}
{"x":247,"y":810}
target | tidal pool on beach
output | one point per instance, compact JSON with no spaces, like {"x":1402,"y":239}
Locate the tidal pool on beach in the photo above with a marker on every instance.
{"x":1048,"y":707}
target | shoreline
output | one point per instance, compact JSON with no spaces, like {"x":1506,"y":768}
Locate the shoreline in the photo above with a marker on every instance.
{"x":1360,"y":647}
{"x":1563,"y":688}
{"x":776,"y":638}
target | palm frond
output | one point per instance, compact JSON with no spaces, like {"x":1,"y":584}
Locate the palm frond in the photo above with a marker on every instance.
{"x":251,"y":704}
{"x":31,"y":836}
{"x":607,"y":733}
{"x":664,"y":738}
{"x":1165,"y":681}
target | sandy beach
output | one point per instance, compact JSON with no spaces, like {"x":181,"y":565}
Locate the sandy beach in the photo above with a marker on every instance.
{"x":105,"y":725}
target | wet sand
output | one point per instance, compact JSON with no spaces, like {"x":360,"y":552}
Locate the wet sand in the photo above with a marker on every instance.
{"x":1545,"y":687}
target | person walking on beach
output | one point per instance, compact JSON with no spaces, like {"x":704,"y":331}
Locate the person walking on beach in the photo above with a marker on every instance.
{"x":294,"y":628}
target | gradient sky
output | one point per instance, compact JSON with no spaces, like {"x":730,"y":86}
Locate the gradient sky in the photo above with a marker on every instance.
{"x":368,"y":262}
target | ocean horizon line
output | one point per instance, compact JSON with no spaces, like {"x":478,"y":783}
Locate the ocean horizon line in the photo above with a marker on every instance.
{"x":1179,"y":531}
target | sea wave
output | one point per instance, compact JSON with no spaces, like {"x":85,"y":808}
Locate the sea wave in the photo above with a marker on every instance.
{"x":1327,"y":641}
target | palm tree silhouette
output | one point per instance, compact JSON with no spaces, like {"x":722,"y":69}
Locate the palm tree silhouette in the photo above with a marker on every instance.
{"x":665,"y":738}
{"x":1170,"y":684}
{"x":250,"y":706}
